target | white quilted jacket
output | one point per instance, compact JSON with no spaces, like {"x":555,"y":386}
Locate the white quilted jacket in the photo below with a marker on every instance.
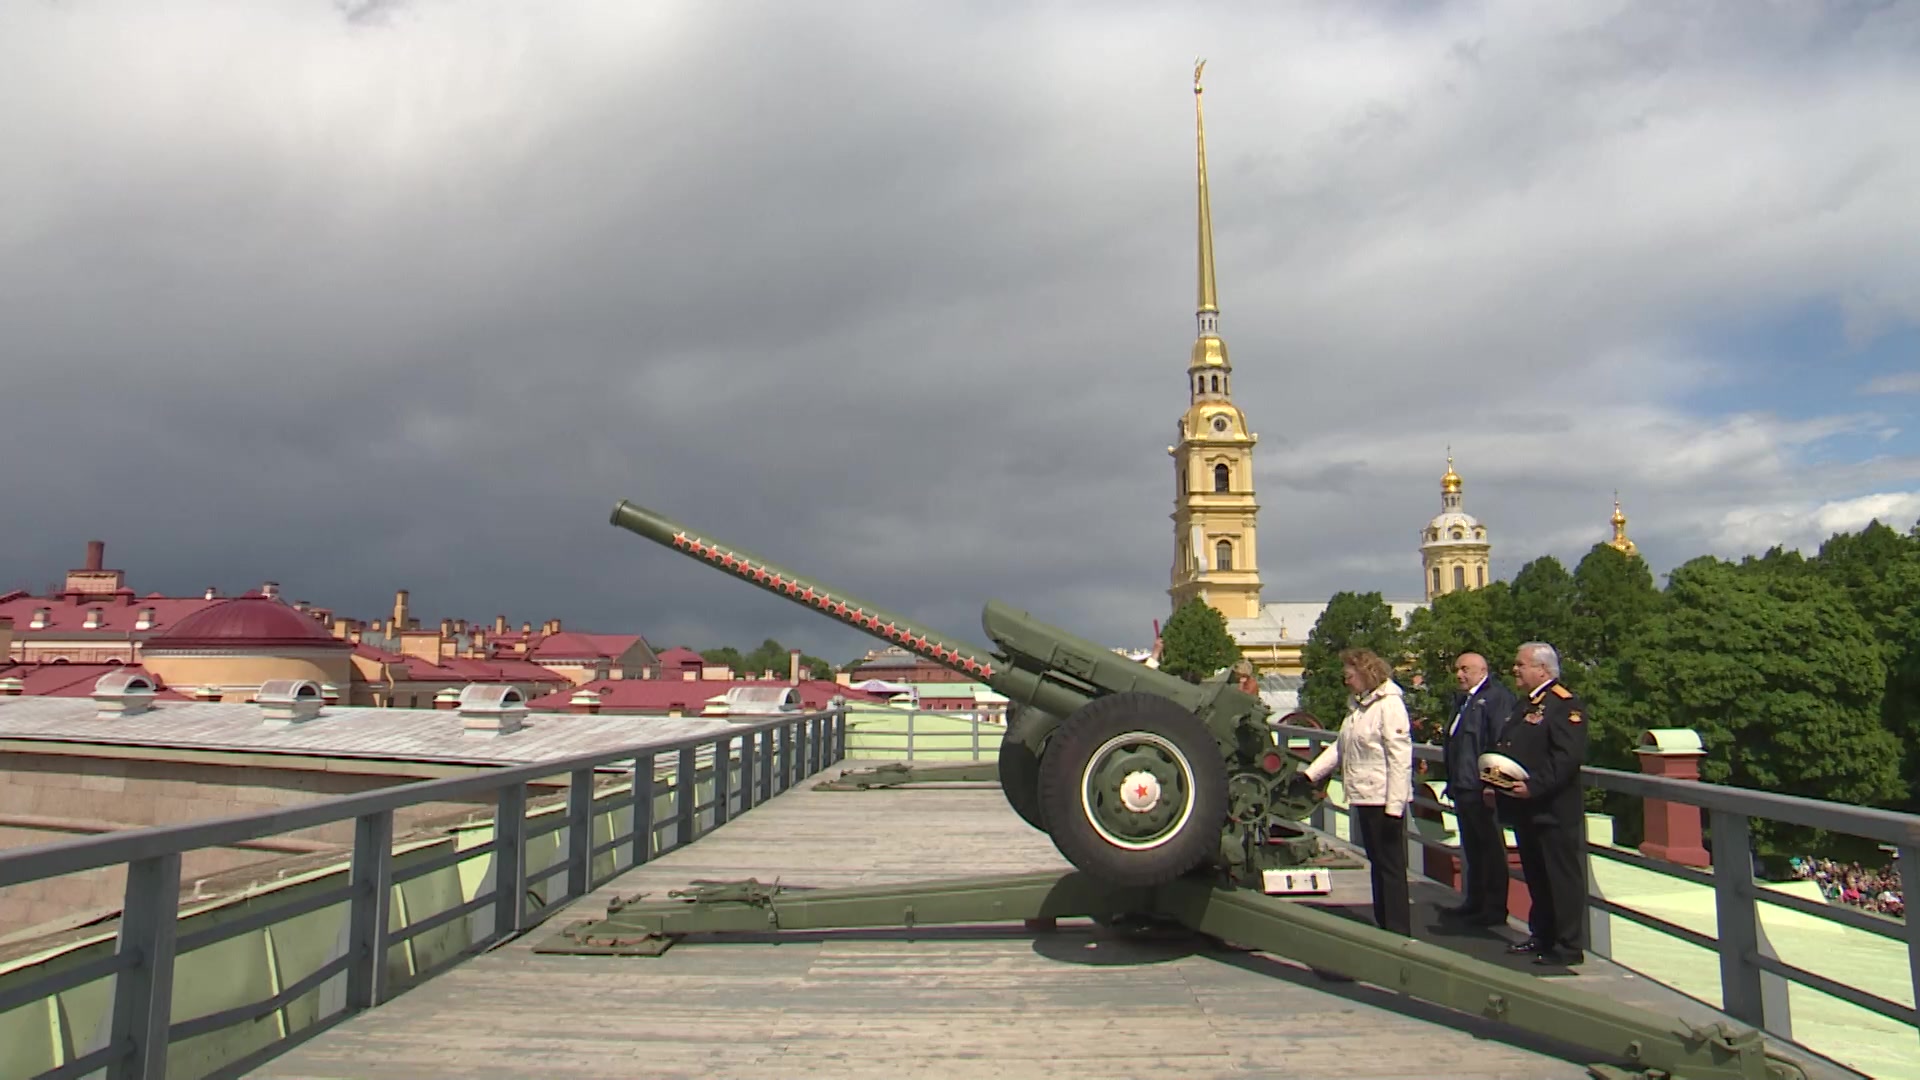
{"x":1374,"y":752}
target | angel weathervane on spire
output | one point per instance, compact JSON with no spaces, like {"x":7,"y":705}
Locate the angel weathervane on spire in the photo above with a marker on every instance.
{"x":1198,"y":67}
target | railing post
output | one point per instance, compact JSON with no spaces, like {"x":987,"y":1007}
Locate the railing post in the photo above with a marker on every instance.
{"x":642,"y":809}
{"x":766,"y":764}
{"x":786,"y":755}
{"x":686,"y":786}
{"x":976,"y":737}
{"x":1910,"y":870}
{"x":509,"y":861}
{"x":911,"y":713}
{"x":372,"y":880}
{"x":722,"y":788}
{"x":1747,"y":993}
{"x":746,"y":771}
{"x":840,"y":734}
{"x":143,"y":989}
{"x":580,"y":834}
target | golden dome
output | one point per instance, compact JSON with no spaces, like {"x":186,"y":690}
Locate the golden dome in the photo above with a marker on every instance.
{"x":1450,"y":483}
{"x":1620,"y":542}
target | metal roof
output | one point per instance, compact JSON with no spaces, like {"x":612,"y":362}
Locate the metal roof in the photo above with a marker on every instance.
{"x":434,"y":735}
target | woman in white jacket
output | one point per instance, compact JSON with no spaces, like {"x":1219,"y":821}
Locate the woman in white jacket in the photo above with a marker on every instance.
{"x":1375,"y":756}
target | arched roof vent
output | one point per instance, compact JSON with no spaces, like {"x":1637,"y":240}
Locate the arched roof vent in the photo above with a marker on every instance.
{"x":123,"y":693}
{"x":284,"y":702}
{"x":489,"y":710}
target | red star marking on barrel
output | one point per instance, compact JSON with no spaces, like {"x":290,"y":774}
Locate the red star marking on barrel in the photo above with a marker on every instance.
{"x":1141,"y":791}
{"x":807,"y":595}
{"x":837,"y":608}
{"x":775,"y":580}
{"x":680,"y":540}
{"x":732,"y":563}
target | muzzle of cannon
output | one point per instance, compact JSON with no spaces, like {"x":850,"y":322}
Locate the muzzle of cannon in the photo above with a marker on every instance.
{"x":1137,"y":776}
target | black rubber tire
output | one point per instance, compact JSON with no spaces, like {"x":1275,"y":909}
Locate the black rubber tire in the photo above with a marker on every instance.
{"x":1020,"y":763}
{"x":1063,"y":773}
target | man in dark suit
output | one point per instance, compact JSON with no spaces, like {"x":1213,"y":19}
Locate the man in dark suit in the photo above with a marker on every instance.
{"x":1479,"y":714}
{"x":1547,"y":736}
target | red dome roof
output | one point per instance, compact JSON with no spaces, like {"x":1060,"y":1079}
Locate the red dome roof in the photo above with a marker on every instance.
{"x":247,"y":621}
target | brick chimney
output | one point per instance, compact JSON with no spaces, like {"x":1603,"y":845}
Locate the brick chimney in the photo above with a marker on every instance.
{"x":584,"y":701}
{"x":399,"y":612}
{"x":793,"y":667}
{"x":94,"y":578}
{"x":1673,"y":830}
{"x":499,"y":624}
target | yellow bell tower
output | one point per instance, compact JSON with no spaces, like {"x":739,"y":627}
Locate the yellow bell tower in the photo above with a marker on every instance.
{"x":1215,"y":556}
{"x":1454,"y":550}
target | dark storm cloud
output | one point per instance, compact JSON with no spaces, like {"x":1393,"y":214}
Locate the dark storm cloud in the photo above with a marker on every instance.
{"x":362,"y":297}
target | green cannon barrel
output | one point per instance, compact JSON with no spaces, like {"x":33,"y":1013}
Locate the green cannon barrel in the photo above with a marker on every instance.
{"x":1018,"y":684}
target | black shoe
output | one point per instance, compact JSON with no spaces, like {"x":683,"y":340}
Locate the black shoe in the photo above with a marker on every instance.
{"x":1559,"y":958}
{"x":1520,"y":948}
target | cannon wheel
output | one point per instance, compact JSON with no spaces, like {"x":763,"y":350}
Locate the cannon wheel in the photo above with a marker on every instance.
{"x":1020,"y":763}
{"x":1134,"y":789}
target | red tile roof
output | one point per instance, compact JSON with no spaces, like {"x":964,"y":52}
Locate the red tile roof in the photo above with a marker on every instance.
{"x":76,"y":680}
{"x":461,"y":669}
{"x":690,"y":696}
{"x":569,"y":645}
{"x":118,"y":612}
{"x":680,"y":657}
{"x":254,"y":621}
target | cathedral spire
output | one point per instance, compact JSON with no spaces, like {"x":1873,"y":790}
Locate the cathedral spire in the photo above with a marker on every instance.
{"x":1209,"y":303}
{"x":1207,"y":366}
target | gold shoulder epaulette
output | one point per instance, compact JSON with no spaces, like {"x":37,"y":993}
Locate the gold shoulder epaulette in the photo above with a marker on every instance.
{"x":1561,"y":691}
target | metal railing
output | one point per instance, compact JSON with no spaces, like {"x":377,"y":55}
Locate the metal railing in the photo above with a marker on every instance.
{"x":922,"y":735}
{"x":746,"y":765}
{"x":1753,"y":981}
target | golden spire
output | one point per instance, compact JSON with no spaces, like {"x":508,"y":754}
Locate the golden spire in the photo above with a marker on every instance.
{"x":1208,"y":302}
{"x":1450,"y":483}
{"x":1620,"y":542}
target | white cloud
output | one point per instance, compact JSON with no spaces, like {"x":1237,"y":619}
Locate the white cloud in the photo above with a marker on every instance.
{"x":1905,"y":382}
{"x":1805,"y":526}
{"x":902,"y":295}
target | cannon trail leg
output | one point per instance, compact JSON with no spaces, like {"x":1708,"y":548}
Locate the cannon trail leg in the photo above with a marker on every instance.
{"x":1651,"y":1045}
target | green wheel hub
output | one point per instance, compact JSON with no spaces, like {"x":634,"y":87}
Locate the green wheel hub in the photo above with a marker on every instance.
{"x":1137,"y":790}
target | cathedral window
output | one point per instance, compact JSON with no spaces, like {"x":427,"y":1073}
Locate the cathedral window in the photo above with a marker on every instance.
{"x":1222,"y":479}
{"x":1458,"y":535}
{"x":1483,"y":577}
{"x":1223,"y":554}
{"x":1459,"y":577}
{"x":1436,"y":579}
{"x":1216,"y":384}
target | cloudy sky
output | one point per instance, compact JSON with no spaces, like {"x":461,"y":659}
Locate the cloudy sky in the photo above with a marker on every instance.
{"x":366,"y":296}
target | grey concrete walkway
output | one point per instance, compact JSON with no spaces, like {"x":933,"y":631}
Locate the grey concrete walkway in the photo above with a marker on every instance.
{"x":993,"y":1002}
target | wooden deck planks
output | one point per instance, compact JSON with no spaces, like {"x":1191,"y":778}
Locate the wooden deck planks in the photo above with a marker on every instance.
{"x":972,"y":1002}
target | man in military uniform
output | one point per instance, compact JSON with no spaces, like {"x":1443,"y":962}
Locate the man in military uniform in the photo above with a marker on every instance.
{"x":1547,"y":735}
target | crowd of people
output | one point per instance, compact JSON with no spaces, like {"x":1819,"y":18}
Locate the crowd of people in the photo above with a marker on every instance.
{"x":1850,"y":883}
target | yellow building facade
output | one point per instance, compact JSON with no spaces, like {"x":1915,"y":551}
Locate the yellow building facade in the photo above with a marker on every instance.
{"x":1216,"y":553}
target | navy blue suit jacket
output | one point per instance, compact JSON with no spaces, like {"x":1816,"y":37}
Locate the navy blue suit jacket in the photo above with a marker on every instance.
{"x":1486,"y":710}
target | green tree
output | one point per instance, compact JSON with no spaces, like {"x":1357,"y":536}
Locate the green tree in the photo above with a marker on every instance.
{"x":1879,"y":570}
{"x":1194,"y":644}
{"x":1351,"y":620}
{"x":1613,"y":593}
{"x":1467,"y":620}
{"x":770,"y":656}
{"x":1781,"y":678}
{"x":1542,"y":607}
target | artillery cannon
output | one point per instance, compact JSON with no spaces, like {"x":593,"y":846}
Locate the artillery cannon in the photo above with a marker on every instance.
{"x":1176,"y":804}
{"x":1137,"y":776}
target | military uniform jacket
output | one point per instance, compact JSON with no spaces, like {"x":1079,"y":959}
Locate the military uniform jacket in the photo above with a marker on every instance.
{"x":1547,"y":735}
